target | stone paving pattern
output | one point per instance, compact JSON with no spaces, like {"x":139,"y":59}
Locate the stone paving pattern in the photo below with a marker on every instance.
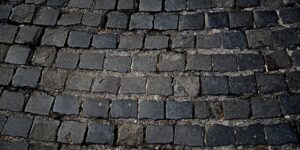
{"x":149,"y":74}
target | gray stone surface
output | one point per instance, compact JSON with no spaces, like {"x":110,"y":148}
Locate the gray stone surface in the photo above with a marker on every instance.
{"x":10,"y":31}
{"x":165,"y":21}
{"x":23,"y":13}
{"x":118,"y":63}
{"x":208,"y":41}
{"x":201,"y":110}
{"x":92,"y":19}
{"x":199,"y":62}
{"x":90,"y":60}
{"x":97,"y":108}
{"x":39,"y":104}
{"x":79,"y":39}
{"x":141,"y":21}
{"x":258,"y":38}
{"x":159,"y":86}
{"x":44,"y":56}
{"x":189,"y":135}
{"x":133,"y":85}
{"x":242,"y":84}
{"x":66,"y":105}
{"x":105,"y":41}
{"x":18,"y":127}
{"x":126,"y":4}
{"x":268,"y":83}
{"x":71,"y":132}
{"x":130,"y":134}
{"x":191,"y":21}
{"x":156,"y":42}
{"x":2,"y":122}
{"x":158,"y":134}
{"x":12,"y":101}
{"x":259,"y":107}
{"x":105,"y":4}
{"x":279,"y":134}
{"x":53,"y":79}
{"x":67,"y":59}
{"x":79,"y":81}
{"x":46,"y":16}
{"x":29,"y":35}
{"x":6,"y":75}
{"x":81,"y":3}
{"x":100,"y":134}
{"x":144,"y":63}
{"x":44,"y":130}
{"x":130,"y":41}
{"x":187,"y":86}
{"x":56,"y":37}
{"x":175,"y":5}
{"x":232,"y":109}
{"x":70,"y":18}
{"x":150,"y":109}
{"x":5,"y":12}
{"x":214,"y":85}
{"x":13,"y":145}
{"x":176,"y":110}
{"x":171,"y":62}
{"x":117,"y":20}
{"x":26,"y":77}
{"x":182,"y":41}
{"x":124,"y":109}
{"x":153,"y":5}
{"x":17,"y":54}
{"x":251,"y":135}
{"x":224,"y":62}
{"x":218,"y":135}
{"x":108,"y":84}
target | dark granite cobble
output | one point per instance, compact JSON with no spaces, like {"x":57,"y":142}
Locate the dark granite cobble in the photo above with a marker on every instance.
{"x":124,"y":109}
{"x":150,"y":109}
{"x":17,"y":127}
{"x":65,"y":104}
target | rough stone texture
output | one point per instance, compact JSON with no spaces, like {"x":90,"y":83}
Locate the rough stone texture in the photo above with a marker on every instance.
{"x":10,"y":31}
{"x":260,"y":105}
{"x":224,"y":62}
{"x":39,"y":104}
{"x":141,"y":21}
{"x":265,"y":18}
{"x":214,"y":85}
{"x":117,"y":20}
{"x":6,"y":75}
{"x":126,"y":4}
{"x":191,"y":22}
{"x":201,"y":110}
{"x":53,"y":79}
{"x":278,"y":134}
{"x":242,"y":84}
{"x":159,"y":86}
{"x":240,"y":19}
{"x":17,"y":127}
{"x":107,"y":84}
{"x":105,"y":41}
{"x":17,"y":54}
{"x":293,"y":80}
{"x":199,"y":62}
{"x":44,"y":130}
{"x":12,"y":145}
{"x":104,"y":4}
{"x":23,"y":13}
{"x":80,"y":3}
{"x":44,"y":56}
{"x":159,"y":134}
{"x":165,"y":21}
{"x":179,"y":110}
{"x":186,"y":86}
{"x":182,"y":41}
{"x":144,"y":63}
{"x":189,"y":135}
{"x":154,"y":5}
{"x":251,"y":135}
{"x":234,"y":40}
{"x":285,"y":38}
{"x":71,"y":132}
{"x":258,"y":38}
{"x":289,"y":104}
{"x":149,"y":109}
{"x":171,"y":62}
{"x":232,"y":109}
{"x":56,"y":37}
{"x":91,"y":60}
{"x":129,"y":41}
{"x":156,"y":42}
{"x":5,"y":12}
{"x":217,"y":20}
{"x":66,"y":105}
{"x":209,"y":41}
{"x":277,"y":60}
{"x":28,"y":34}
{"x":133,"y":85}
{"x":175,"y":5}
{"x":100,"y":134}
{"x":124,"y":109}
{"x":26,"y":77}
{"x":267,"y":83}
{"x":130,"y":134}
{"x":217,"y":135}
{"x":250,"y":61}
{"x":79,"y":39}
{"x":92,"y":19}
{"x":78,"y":81}
{"x":118,"y":63}
{"x":95,"y":108}
{"x":67,"y":59}
{"x":12,"y":101}
{"x":70,"y":18}
{"x":46,"y":16}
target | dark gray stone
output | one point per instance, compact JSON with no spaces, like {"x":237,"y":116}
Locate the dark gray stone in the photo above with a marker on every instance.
{"x":285,"y":38}
{"x":198,"y":4}
{"x":175,"y":5}
{"x":223,"y":3}
{"x":90,"y":60}
{"x":79,"y":39}
{"x":53,"y":79}
{"x":267,"y":83}
{"x":153,"y":5}
{"x":159,"y":86}
{"x":66,"y":105}
{"x":29,"y":35}
{"x":67,"y":59}
{"x":279,"y":134}
{"x":13,"y":145}
{"x":150,"y":109}
{"x":46,"y":16}
{"x":247,"y":3}
{"x":105,"y":4}
{"x":251,"y":61}
{"x":126,"y":4}
{"x":232,"y":109}
{"x":217,"y":20}
{"x":6,"y":75}
{"x":133,"y":85}
{"x":272,"y":3}
{"x":44,"y":130}
{"x":44,"y":56}
{"x":165,"y":21}
{"x":9,"y":31}
{"x":189,"y":135}
{"x":187,"y":86}
{"x":265,"y":108}
{"x":100,"y":134}
{"x":124,"y":109}
{"x":242,"y":84}
{"x":295,"y":57}
{"x":95,"y":108}
{"x":199,"y":62}
{"x":209,"y":41}
{"x":182,"y":41}
{"x":92,"y":19}
{"x":234,"y":40}
{"x":2,"y":122}
{"x":117,"y":20}
{"x":202,"y":110}
{"x":179,"y":110}
{"x":224,"y":62}
{"x":17,"y":127}
{"x":130,"y":134}
{"x":105,"y":41}
{"x":26,"y":77}
{"x":251,"y":135}
{"x":17,"y":54}
{"x":12,"y":101}
{"x":240,"y":19}
{"x":37,"y":146}
{"x":141,"y":21}
{"x":218,"y":135}
{"x":191,"y":21}
{"x":81,"y":3}
{"x":70,"y":18}
{"x":79,"y":81}
{"x":118,"y":63}
{"x":4,"y":12}
{"x":22,"y":13}
{"x":290,"y":15}
{"x":107,"y":84}
{"x":131,"y":41}
{"x":265,"y":18}
{"x":71,"y":132}
{"x":36,"y":1}
{"x":258,"y":38}
{"x":3,"y":51}
{"x":293,"y":80}
{"x":39,"y":104}
{"x":158,"y":134}
{"x":290,"y":104}
{"x":56,"y":37}
{"x":56,"y":3}
{"x":156,"y":42}
{"x":278,"y":60}
{"x":171,"y":62}
{"x":214,"y":85}
{"x":144,"y":63}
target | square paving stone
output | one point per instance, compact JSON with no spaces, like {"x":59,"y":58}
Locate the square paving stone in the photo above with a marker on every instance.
{"x":66,"y":105}
{"x":37,"y":146}
{"x":81,"y":3}
{"x":117,"y":20}
{"x":70,"y":18}
{"x":90,"y":60}
{"x":67,"y":59}
{"x":156,"y":42}
{"x":92,"y":19}
{"x":214,"y":85}
{"x":267,"y":83}
{"x":278,"y":60}
{"x":56,"y":37}
{"x":2,"y":122}
{"x":198,"y":4}
{"x":79,"y":81}
{"x":133,"y":85}
{"x":131,"y":41}
{"x":130,"y":134}
{"x":107,"y":84}
{"x":265,"y":18}
{"x":290,"y":104}
{"x":265,"y":108}
{"x":26,"y":77}
{"x":56,"y":3}
{"x":171,"y":62}
{"x":285,"y":38}
{"x":201,"y":110}
{"x":217,"y":20}
{"x":79,"y":39}
{"x":191,"y":21}
{"x":141,"y":21}
{"x":251,"y":61}
{"x":105,"y":41}
{"x":225,"y":62}
{"x":189,"y":135}
{"x":153,"y":5}
{"x":159,"y":86}
{"x":44,"y":56}
{"x":187,"y":86}
{"x":10,"y":31}
{"x":22,"y":13}
{"x":126,"y":4}
{"x":13,"y":145}
{"x":293,"y":80}
{"x":242,"y":84}
{"x":223,"y":3}
{"x":17,"y":54}
{"x":71,"y":132}
{"x":240,"y":19}
{"x":150,"y":109}
{"x":4,"y":48}
{"x":208,"y":41}
{"x":182,"y":41}
{"x":295,"y":57}
{"x":29,"y":35}
{"x":251,"y":135}
{"x":258,"y":38}
{"x":5,"y":12}
{"x":290,"y":15}
{"x":158,"y":134}
{"x":6,"y":75}
{"x":179,"y":110}
{"x":165,"y":21}
{"x":12,"y":101}
{"x":95,"y":108}
{"x":44,"y":130}
{"x":53,"y":79}
{"x":234,"y":40}
{"x":219,"y":135}
{"x":175,"y":5}
{"x":17,"y":127}
{"x":36,"y":1}
{"x":105,"y":4}
{"x":100,"y":134}
{"x":199,"y":62}
{"x":39,"y":104}
{"x":46,"y":16}
{"x":232,"y":109}
{"x":118,"y":63}
{"x":247,"y":3}
{"x":124,"y":109}
{"x":279,"y":134}
{"x":144,"y":63}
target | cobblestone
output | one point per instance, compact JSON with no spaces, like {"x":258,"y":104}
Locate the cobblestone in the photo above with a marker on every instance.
{"x":46,"y":16}
{"x":65,"y":104}
{"x":44,"y":130}
{"x":159,"y":86}
{"x":179,"y":110}
{"x":100,"y":134}
{"x":23,"y":13}
{"x":79,"y":39}
{"x":118,"y":63}
{"x":283,"y":134}
{"x":39,"y":104}
{"x":189,"y":135}
{"x":91,"y":60}
{"x":156,"y":134}
{"x":124,"y":109}
{"x":6,"y":75}
{"x":56,"y":37}
{"x":95,"y":108}
{"x":10,"y":31}
{"x":44,"y":56}
{"x":12,"y":101}
{"x":71,"y":132}
{"x":107,"y":84}
{"x":252,"y":135}
{"x":26,"y":77}
{"x":259,"y":106}
{"x":191,"y":22}
{"x":217,"y":135}
{"x":150,"y":109}
{"x":17,"y":127}
{"x":28,"y":34}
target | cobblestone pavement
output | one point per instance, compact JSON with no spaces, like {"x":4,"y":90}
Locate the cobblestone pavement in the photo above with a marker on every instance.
{"x":149,"y":74}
